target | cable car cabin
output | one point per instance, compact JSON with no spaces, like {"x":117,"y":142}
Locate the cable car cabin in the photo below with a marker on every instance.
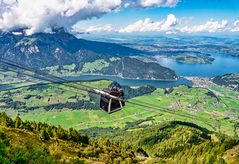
{"x":110,"y":104}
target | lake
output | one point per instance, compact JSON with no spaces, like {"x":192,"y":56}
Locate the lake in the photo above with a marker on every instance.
{"x":130,"y":82}
{"x":223,"y":64}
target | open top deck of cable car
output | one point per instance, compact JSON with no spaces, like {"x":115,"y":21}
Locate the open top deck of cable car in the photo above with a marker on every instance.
{"x":110,"y":104}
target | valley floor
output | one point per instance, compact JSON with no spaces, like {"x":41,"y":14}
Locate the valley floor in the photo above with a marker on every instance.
{"x":206,"y":104}
{"x":176,"y":125}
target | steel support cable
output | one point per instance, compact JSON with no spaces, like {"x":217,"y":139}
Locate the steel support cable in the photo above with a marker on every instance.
{"x":40,"y":78}
{"x":43,"y":74}
{"x":156,"y":106}
{"x":87,"y":88}
{"x":166,"y":110}
{"x":39,"y":72}
{"x":138,"y":103}
{"x":51,"y":76}
{"x":144,"y":104}
{"x":32,"y":84}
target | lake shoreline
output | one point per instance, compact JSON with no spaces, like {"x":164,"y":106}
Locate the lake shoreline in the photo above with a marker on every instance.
{"x":223,"y":64}
{"x":124,"y":78}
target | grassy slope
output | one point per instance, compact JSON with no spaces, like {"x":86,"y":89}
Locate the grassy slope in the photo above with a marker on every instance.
{"x":44,"y":95}
{"x":186,"y":104}
{"x":55,"y":150}
{"x":181,"y":142}
{"x":169,"y":142}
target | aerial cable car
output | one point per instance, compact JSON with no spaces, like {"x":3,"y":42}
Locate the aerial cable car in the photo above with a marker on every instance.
{"x":112,"y":98}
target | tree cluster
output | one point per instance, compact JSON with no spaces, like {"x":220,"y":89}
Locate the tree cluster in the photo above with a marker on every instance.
{"x":42,"y":143}
{"x":46,"y":131}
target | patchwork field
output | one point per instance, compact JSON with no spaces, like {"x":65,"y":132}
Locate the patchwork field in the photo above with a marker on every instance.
{"x":197,"y":105}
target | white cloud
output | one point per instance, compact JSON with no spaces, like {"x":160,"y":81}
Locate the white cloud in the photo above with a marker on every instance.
{"x":171,"y":25}
{"x":8,"y":1}
{"x":151,"y":3}
{"x":94,"y":29}
{"x":126,"y":5}
{"x":42,"y":15}
{"x":39,"y":15}
{"x":210,"y":26}
{"x":235,"y":26}
{"x":170,"y":22}
{"x":147,"y":25}
{"x":17,"y":33}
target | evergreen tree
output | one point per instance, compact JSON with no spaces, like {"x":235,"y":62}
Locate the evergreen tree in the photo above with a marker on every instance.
{"x":5,"y":120}
{"x":44,"y":135}
{"x":61,"y":133}
{"x":18,"y":122}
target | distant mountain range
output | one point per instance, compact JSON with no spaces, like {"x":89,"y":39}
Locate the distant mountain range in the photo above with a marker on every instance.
{"x":60,"y":50}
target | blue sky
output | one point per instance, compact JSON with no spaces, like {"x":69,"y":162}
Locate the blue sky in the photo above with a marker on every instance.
{"x":121,"y":16}
{"x":199,"y":11}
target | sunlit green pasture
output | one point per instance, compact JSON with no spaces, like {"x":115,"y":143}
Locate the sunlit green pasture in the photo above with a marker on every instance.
{"x":186,"y":104}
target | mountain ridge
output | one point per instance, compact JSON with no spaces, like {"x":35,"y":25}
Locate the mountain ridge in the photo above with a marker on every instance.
{"x":59,"y":49}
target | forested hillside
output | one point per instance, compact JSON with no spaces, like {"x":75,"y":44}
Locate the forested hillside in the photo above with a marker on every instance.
{"x":30,"y":142}
{"x":172,"y":142}
{"x":182,"y":142}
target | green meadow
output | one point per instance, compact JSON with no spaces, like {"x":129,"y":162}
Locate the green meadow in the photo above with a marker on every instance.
{"x":197,"y":105}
